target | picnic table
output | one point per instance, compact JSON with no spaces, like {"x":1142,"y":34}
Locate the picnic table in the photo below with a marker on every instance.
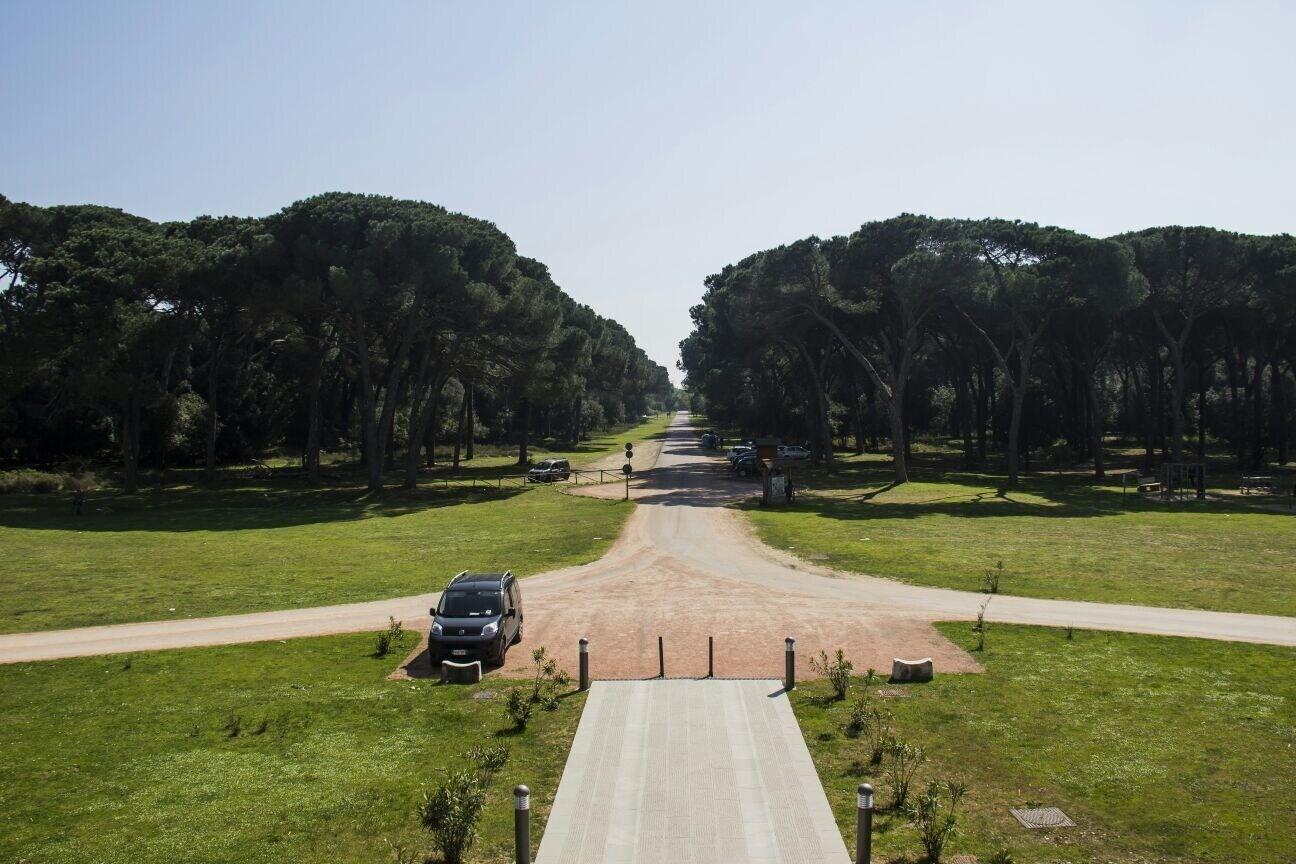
{"x":1256,"y":483}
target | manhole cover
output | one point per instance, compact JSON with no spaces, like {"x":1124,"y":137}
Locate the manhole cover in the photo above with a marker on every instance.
{"x":484,"y":694}
{"x":895,"y":693}
{"x":1042,"y":817}
{"x":818,"y":556}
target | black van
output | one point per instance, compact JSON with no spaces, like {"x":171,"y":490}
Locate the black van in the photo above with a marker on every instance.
{"x":478,"y":617}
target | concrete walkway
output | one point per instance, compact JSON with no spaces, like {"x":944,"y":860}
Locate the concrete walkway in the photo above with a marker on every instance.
{"x":689,"y":771}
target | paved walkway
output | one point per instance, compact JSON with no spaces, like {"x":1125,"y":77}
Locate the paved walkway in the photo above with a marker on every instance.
{"x":687,"y":771}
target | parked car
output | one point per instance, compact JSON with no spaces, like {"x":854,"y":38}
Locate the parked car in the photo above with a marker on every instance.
{"x":478,"y":617}
{"x":793,"y":451}
{"x":550,"y":470}
{"x":745,"y":464}
{"x":735,"y":452}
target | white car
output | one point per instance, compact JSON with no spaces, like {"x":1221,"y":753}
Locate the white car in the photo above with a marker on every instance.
{"x":793,"y":451}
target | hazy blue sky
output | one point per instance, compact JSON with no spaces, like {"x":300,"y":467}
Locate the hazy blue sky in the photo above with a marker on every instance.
{"x":638,"y":148}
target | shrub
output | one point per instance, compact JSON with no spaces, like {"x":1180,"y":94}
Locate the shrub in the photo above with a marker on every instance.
{"x":837,"y":671}
{"x":990,"y":581}
{"x":979,"y":628}
{"x":451,"y":811}
{"x":880,"y":736}
{"x":518,"y":708}
{"x":935,"y":816}
{"x":1003,"y":856}
{"x":858,"y":719}
{"x":549,"y":681}
{"x":28,"y":480}
{"x":388,"y":638}
{"x":233,"y":726}
{"x":902,"y":763}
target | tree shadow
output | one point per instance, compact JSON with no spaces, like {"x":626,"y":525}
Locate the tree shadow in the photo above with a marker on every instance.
{"x":182,"y":509}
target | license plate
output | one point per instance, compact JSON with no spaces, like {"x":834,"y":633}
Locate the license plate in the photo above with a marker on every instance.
{"x":459,"y":652}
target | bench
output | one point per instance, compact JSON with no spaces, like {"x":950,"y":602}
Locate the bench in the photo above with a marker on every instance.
{"x":1263,"y":485}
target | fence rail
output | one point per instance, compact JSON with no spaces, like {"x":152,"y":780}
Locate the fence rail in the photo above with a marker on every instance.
{"x":576,"y":477}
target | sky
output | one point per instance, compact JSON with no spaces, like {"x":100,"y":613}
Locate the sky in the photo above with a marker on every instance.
{"x":637,"y":148}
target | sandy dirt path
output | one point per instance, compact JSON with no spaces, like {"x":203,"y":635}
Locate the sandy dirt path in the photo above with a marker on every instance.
{"x":686,"y":567}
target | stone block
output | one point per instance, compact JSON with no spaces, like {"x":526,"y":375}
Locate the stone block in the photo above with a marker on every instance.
{"x":460,"y":673}
{"x":911,"y":670}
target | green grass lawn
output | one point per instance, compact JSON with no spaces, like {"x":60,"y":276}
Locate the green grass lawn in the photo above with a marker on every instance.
{"x":1160,"y":749}
{"x":191,"y":551}
{"x":1062,"y":537}
{"x":104,"y":763}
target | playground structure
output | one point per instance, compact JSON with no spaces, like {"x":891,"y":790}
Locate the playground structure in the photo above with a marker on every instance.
{"x":1176,"y":481}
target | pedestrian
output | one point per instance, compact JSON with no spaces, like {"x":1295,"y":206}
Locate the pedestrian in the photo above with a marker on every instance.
{"x":78,"y":503}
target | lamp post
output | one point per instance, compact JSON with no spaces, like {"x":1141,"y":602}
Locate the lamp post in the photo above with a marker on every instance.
{"x":789,"y":664}
{"x":864,"y":823}
{"x":522,"y":824}
{"x":584,"y":663}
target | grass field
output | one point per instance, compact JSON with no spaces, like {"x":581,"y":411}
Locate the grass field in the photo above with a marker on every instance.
{"x":1166,"y":750}
{"x":108,"y":763}
{"x":188,"y":552}
{"x":1060,"y":537}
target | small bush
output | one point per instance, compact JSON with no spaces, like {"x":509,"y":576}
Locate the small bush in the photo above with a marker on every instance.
{"x":550,"y":681}
{"x":902,"y":764}
{"x":979,"y":628}
{"x":935,"y":815}
{"x":450,"y":813}
{"x":518,"y":707}
{"x":990,"y":581}
{"x":1003,"y":856}
{"x":233,"y":726}
{"x":28,"y":480}
{"x":837,"y":671}
{"x":262,"y":727}
{"x":858,"y":719}
{"x":389,"y":638}
{"x":880,"y":735}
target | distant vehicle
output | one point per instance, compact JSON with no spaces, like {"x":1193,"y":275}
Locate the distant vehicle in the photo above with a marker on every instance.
{"x":550,"y":470}
{"x":793,"y":451}
{"x":745,"y":464}
{"x":735,"y":452}
{"x":710,"y":441}
{"x":478,"y":617}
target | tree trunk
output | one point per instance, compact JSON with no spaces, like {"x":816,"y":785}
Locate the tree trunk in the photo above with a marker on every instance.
{"x":1095,"y":427}
{"x":459,"y":432}
{"x":130,"y":445}
{"x":1277,"y":386}
{"x":213,"y":418}
{"x":898,"y":443}
{"x":368,"y":419}
{"x":1257,"y":414}
{"x":472,"y":422}
{"x":314,"y":431}
{"x":1201,"y":411}
{"x":824,"y":444}
{"x":525,"y":414}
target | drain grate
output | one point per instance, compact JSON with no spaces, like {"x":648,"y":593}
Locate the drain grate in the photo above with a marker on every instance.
{"x":1042,"y":817}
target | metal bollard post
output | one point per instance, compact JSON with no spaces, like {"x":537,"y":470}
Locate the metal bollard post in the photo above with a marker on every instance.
{"x":584,"y":663}
{"x":661,"y":659}
{"x":789,"y":673}
{"x":864,"y":824}
{"x":710,"y":656}
{"x":522,"y":824}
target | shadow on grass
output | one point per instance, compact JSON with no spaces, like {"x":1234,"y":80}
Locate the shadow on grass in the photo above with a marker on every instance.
{"x":187,"y":508}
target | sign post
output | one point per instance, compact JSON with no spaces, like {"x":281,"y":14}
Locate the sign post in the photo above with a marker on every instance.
{"x":625,"y":469}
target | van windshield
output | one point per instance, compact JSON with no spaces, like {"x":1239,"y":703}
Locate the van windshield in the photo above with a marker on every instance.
{"x":469,"y":604}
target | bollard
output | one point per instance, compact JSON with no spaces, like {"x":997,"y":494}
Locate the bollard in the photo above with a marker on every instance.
{"x":661,"y":659}
{"x":864,"y":824}
{"x":584,"y":663}
{"x":522,"y":824}
{"x":710,"y":656}
{"x":789,"y":673}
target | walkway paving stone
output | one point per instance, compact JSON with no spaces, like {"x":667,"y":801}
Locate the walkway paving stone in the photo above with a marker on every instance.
{"x":690,"y":771}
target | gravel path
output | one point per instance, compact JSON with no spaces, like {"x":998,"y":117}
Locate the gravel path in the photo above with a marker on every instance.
{"x":687,"y":567}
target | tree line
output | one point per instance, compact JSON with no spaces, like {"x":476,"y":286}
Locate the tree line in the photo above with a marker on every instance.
{"x":1006,"y":336}
{"x":342,"y":322}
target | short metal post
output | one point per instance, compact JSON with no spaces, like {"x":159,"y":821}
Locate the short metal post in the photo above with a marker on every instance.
{"x":661,"y":659}
{"x":522,"y":824}
{"x":710,"y":656}
{"x":584,"y":663}
{"x":789,"y":672}
{"x":864,"y":824}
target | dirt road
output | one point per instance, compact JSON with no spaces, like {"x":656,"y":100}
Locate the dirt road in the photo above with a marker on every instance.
{"x":687,"y":567}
